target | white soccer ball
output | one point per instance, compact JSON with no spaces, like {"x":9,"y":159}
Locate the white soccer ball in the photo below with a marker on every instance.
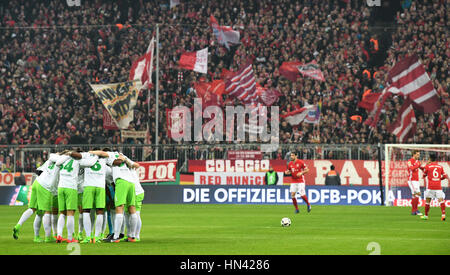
{"x":285,"y":222}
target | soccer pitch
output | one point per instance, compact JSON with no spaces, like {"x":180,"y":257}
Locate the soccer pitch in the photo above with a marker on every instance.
{"x":189,"y":229}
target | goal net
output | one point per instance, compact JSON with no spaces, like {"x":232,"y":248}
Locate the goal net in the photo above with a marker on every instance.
{"x":396,"y":156}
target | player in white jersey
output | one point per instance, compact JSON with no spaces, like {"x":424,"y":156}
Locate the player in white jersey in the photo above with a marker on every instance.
{"x":42,"y":196}
{"x":68,"y":191}
{"x":108,"y":202}
{"x":94,"y":195}
{"x":139,"y":199}
{"x":124,"y":191}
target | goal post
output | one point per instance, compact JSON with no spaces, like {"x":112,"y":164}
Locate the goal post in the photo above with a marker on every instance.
{"x":395,"y":164}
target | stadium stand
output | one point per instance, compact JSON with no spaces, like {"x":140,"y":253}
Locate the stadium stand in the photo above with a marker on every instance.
{"x":50,"y":52}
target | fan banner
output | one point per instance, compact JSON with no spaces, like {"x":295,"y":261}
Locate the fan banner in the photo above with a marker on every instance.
{"x":195,"y":61}
{"x":351,"y":172}
{"x":175,"y":120}
{"x":119,"y":100}
{"x":154,"y":171}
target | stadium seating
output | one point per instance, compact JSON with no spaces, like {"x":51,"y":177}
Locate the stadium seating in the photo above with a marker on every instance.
{"x":50,"y":52}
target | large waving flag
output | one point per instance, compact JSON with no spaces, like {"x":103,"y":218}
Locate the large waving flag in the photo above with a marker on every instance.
{"x":119,"y":100}
{"x":225,"y":35}
{"x":405,"y":125}
{"x":196,"y":61}
{"x":243,"y":84}
{"x":142,"y":67}
{"x":410,"y":77}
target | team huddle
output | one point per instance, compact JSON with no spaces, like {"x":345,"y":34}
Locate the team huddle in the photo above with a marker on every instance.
{"x":92,"y":182}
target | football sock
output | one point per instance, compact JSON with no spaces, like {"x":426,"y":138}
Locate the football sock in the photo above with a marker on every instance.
{"x":118,"y":221}
{"x":25,"y":216}
{"x":37,"y":224}
{"x":132,"y":228}
{"x":87,"y":223}
{"x":427,"y":208}
{"x":99,"y":225}
{"x":92,"y":217}
{"x":46,"y":220}
{"x":305,"y":199}
{"x":443,"y":208}
{"x":126,"y":223}
{"x":414,"y":203}
{"x":54,"y":221}
{"x":70,"y":227}
{"x":294,"y":201}
{"x":80,"y":224}
{"x":138,"y":225}
{"x":111,"y":221}
{"x":60,"y":225}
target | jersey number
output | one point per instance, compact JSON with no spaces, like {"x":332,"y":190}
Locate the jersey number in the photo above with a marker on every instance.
{"x":435,"y":173}
{"x":96,"y":167}
{"x":68,"y":166}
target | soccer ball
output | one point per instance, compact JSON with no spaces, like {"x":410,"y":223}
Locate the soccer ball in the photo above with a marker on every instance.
{"x":285,"y":222}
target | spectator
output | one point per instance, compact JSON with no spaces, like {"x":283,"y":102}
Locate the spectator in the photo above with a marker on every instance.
{"x":47,"y":68}
{"x":332,"y":177}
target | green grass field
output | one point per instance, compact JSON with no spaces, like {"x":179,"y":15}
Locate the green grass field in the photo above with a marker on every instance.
{"x":255,"y":230}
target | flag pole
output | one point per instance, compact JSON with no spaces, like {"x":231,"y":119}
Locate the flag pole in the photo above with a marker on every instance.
{"x":157,"y":92}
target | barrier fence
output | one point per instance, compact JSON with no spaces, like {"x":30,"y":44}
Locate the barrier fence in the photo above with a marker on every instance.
{"x":14,"y":158}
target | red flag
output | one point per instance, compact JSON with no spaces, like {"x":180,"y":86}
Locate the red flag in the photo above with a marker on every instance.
{"x":405,"y":125}
{"x":196,"y":61}
{"x":368,"y":101}
{"x":211,"y":93}
{"x":225,"y":35}
{"x":267,"y":96}
{"x":290,"y":70}
{"x":243,"y":84}
{"x":293,"y":69}
{"x":375,"y":108}
{"x":142,"y":67}
{"x":297,"y":116}
{"x":410,"y":77}
{"x":312,"y":70}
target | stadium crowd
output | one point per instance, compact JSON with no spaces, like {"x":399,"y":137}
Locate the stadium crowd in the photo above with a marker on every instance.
{"x":50,"y":52}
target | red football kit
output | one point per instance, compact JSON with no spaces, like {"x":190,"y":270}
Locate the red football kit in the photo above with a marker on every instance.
{"x":435,"y":173}
{"x":413,"y":169}
{"x":295,"y":168}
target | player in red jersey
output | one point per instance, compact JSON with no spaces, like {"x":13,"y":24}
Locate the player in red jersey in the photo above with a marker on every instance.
{"x":297,"y":168}
{"x":434,"y":173}
{"x":413,"y":181}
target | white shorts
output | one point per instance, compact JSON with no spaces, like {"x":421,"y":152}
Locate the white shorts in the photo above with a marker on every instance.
{"x":434,"y":194}
{"x":414,"y":186}
{"x":298,"y":187}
